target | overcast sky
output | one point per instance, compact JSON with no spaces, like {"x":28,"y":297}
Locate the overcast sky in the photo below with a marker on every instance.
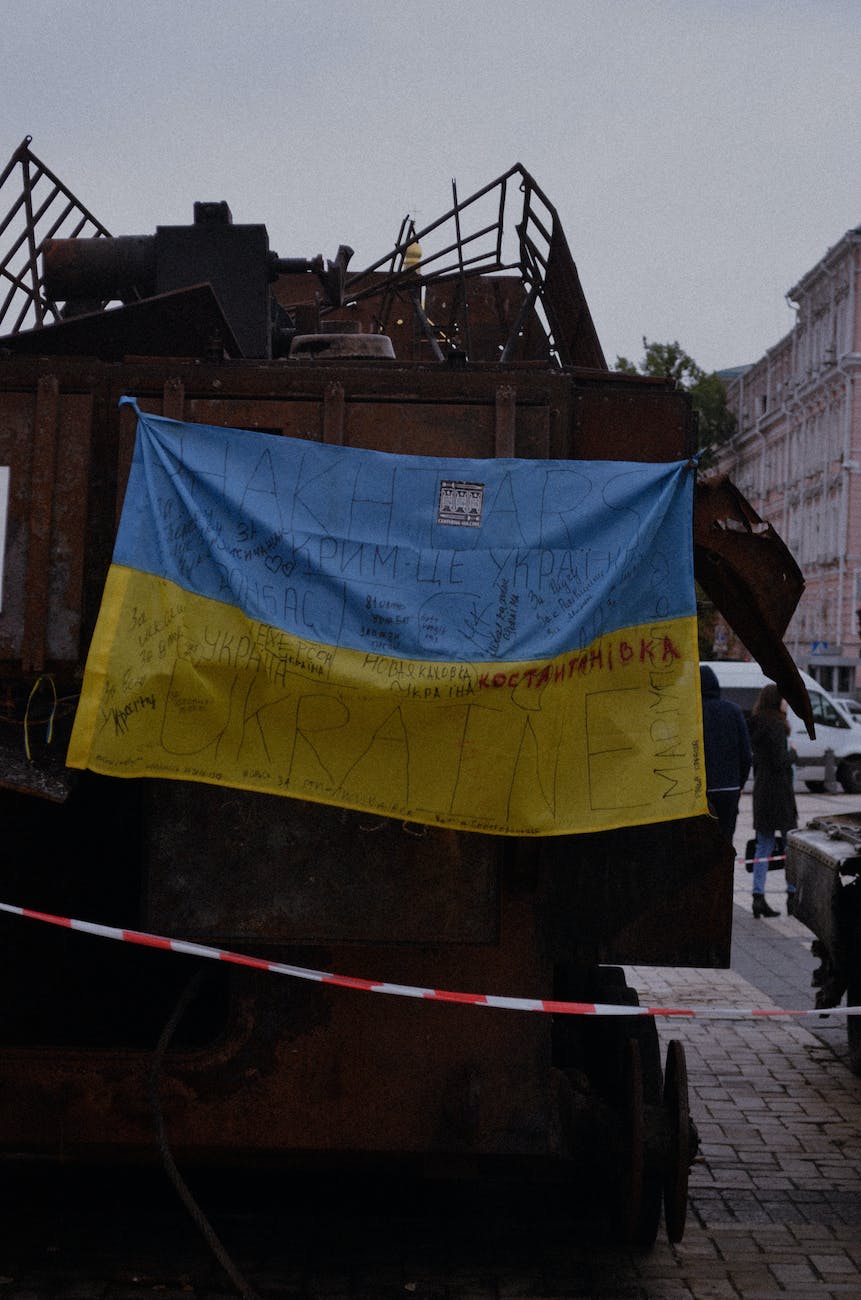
{"x":702,"y":154}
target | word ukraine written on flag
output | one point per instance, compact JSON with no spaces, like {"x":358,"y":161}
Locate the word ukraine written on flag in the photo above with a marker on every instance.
{"x":506,"y":646}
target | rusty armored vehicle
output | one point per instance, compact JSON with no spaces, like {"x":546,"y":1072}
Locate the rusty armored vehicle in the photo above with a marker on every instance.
{"x":471,"y":338}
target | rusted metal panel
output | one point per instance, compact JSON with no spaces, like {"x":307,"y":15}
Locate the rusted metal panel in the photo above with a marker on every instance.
{"x":423,"y":427}
{"x":660,"y":895}
{"x":42,"y":485}
{"x":753,"y":580}
{"x":302,"y":417}
{"x":304,"y":1069}
{"x":333,"y":414}
{"x":617,"y":419}
{"x":318,"y":874}
{"x":16,"y":439}
{"x":506,"y":416}
{"x":183,"y":323}
{"x":173,"y":400}
{"x":401,"y":408}
{"x":569,"y":315}
{"x":70,"y":547}
{"x":45,"y":441}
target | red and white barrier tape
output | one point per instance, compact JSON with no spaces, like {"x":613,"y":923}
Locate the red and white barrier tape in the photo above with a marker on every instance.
{"x":408,"y":990}
{"x":775,"y":857}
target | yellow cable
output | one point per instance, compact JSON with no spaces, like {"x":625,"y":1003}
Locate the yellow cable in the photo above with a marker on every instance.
{"x":46,"y":677}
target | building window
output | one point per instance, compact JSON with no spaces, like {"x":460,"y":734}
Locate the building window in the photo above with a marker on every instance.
{"x":845,"y":681}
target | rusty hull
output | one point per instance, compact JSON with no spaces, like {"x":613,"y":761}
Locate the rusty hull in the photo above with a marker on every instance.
{"x":749,"y":573}
{"x":265,"y":1064}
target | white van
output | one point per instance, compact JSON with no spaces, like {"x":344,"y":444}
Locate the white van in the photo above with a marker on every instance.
{"x":835,"y":728}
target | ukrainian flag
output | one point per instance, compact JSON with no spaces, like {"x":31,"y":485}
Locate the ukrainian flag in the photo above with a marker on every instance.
{"x":506,"y":646}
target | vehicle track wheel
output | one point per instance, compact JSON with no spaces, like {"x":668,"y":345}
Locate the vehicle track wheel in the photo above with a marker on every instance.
{"x":683,"y":1142}
{"x":640,"y":1182}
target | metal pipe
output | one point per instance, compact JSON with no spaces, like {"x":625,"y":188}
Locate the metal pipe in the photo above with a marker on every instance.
{"x":461,"y":269}
{"x":100,"y":268}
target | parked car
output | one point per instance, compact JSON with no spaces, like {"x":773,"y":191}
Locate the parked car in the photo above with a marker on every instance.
{"x":836,"y":729}
{"x":851,"y":705}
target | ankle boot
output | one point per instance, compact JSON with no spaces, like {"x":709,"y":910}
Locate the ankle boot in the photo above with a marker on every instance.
{"x":761,"y":907}
{"x":791,"y":902}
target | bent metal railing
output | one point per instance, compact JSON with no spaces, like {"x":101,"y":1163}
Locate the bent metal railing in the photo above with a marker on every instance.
{"x":35,"y":206}
{"x":507,"y":227}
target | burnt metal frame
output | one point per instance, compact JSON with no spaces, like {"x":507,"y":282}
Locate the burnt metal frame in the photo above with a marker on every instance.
{"x":58,"y":206}
{"x":542,"y":255}
{"x":541,"y":258}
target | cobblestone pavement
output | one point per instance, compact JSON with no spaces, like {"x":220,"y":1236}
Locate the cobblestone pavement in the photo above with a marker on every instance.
{"x":775,"y":1197}
{"x":775,"y":1194}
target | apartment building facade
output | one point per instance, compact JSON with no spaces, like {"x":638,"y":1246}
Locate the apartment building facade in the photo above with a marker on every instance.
{"x":796,"y":455}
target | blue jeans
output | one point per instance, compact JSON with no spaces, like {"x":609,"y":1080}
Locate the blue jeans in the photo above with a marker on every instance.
{"x":764,"y":849}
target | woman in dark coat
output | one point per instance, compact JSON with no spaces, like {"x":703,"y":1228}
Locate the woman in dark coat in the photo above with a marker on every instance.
{"x":774,"y":810}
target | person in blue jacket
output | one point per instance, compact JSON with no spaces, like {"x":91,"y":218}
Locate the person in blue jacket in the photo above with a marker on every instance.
{"x":727,"y":752}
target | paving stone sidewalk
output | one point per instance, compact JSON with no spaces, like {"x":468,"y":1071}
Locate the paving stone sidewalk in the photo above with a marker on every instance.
{"x":775,"y":1195}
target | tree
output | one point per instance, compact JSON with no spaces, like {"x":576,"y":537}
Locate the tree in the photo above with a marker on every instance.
{"x":715,"y":421}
